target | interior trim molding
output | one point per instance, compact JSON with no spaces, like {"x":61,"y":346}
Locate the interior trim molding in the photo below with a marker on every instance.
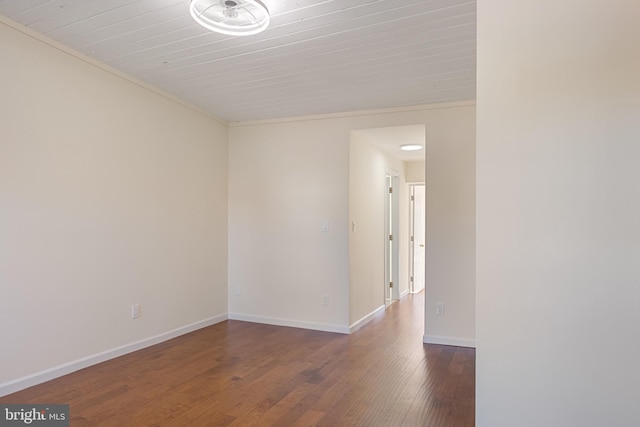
{"x":366,"y":319}
{"x":453,"y":341}
{"x":326,"y":327}
{"x":67,"y":368}
{"x":438,"y":106}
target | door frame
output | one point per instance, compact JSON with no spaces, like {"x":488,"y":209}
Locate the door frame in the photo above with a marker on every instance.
{"x":412,"y":247}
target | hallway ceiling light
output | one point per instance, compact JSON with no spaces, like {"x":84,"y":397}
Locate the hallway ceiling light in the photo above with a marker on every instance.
{"x":231,"y":17}
{"x":411,"y":147}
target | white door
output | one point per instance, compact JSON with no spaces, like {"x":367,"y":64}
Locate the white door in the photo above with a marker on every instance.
{"x":392,"y":260}
{"x":418,"y":254}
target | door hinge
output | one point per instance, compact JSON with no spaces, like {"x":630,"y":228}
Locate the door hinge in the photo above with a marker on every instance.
{"x":412,"y":238}
{"x":390,"y":189}
{"x":390,"y":236}
{"x":412,"y":278}
{"x":390,"y":284}
{"x":413,"y":198}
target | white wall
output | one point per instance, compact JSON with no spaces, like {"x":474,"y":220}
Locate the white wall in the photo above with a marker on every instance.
{"x":450,"y":232}
{"x":368,"y":166}
{"x":558,"y":251}
{"x":286,"y":176}
{"x":285,"y":179}
{"x":110,"y":194}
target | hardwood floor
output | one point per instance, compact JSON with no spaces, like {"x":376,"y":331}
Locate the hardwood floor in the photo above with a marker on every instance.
{"x":244,"y":374}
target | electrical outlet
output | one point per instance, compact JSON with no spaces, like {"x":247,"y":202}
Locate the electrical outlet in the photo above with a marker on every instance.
{"x":440,"y":309}
{"x":135,"y":311}
{"x":325,"y":299}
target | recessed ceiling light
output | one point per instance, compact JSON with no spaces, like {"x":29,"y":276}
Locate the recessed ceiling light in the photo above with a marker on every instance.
{"x":411,"y":147}
{"x":231,"y":17}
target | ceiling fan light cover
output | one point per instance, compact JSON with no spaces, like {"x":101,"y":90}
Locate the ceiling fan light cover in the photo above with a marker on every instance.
{"x":231,"y":17}
{"x":411,"y":147}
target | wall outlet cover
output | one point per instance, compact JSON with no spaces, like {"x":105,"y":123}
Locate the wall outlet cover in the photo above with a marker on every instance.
{"x":135,"y":311}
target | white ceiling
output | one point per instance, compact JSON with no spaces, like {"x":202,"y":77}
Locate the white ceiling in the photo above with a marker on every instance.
{"x":389,"y":139}
{"x":317,"y":57}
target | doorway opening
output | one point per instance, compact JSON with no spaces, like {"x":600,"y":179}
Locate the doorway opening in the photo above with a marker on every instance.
{"x":379,"y":265}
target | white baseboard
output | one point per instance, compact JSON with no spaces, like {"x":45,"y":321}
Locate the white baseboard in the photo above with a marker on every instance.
{"x":404,"y":293}
{"x":458,"y":342}
{"x":289,"y":323}
{"x":67,"y":368}
{"x":366,"y":319}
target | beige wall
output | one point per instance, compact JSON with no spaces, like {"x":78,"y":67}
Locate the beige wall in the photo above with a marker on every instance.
{"x":558,"y":207}
{"x":414,"y":171}
{"x":450,"y":232}
{"x":286,"y":176}
{"x":110,"y":194}
{"x":285,"y":179}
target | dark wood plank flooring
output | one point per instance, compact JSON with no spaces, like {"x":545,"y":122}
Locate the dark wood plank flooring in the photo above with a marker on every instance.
{"x":245,"y":374}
